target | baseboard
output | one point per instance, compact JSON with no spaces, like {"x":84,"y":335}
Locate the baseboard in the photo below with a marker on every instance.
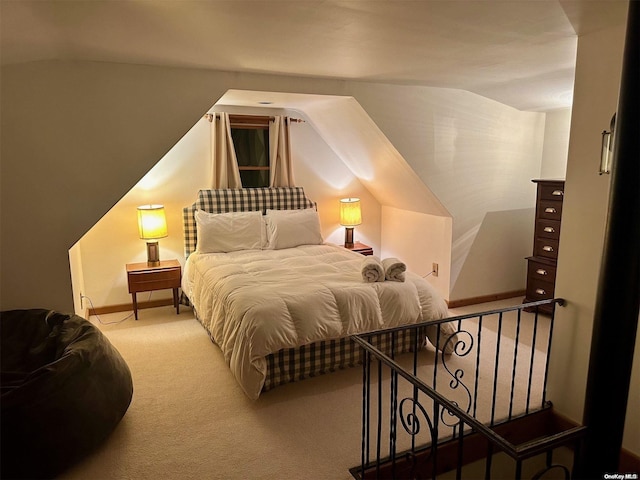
{"x":128,"y":307}
{"x":463,"y":302}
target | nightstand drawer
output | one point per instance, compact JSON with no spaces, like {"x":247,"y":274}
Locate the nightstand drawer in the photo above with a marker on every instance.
{"x":361,"y":248}
{"x":154,"y":280}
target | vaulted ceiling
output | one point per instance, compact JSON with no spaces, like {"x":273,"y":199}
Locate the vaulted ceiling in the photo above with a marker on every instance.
{"x":518,"y":52}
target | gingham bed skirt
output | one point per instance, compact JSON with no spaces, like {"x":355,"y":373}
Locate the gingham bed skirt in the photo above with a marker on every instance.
{"x":294,"y":364}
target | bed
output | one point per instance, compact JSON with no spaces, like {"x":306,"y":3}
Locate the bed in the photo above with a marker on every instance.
{"x":279,"y":302}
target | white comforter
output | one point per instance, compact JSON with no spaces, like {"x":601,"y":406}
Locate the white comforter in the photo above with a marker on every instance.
{"x":256,"y":302}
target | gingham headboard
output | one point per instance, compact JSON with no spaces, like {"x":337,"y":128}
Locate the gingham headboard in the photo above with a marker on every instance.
{"x":240,"y":200}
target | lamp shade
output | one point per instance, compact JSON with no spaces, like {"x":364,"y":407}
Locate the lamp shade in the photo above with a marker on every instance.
{"x":350,"y":214}
{"x":152,"y":222}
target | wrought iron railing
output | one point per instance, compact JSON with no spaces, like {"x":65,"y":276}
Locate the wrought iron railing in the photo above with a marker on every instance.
{"x":470,"y":398}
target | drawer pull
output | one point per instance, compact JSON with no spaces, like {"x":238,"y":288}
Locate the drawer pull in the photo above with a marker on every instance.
{"x":541,"y":271}
{"x":549,"y":229}
{"x":557,"y":193}
{"x":550,"y":210}
{"x":548,"y":248}
{"x":540,"y":291}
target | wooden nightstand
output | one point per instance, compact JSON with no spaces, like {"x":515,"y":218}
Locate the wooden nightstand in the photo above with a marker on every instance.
{"x":143,"y":278}
{"x":361,"y":248}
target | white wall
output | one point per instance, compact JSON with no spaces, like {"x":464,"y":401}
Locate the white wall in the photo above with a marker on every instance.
{"x":77,"y":279}
{"x":557,"y":126}
{"x":420,"y":240}
{"x":598,"y":68}
{"x":508,"y":234}
{"x":113,"y":241}
{"x":477,"y":156}
{"x":326,"y":179}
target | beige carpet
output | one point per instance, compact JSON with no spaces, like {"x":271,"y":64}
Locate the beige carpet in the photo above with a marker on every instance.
{"x":190,"y":420}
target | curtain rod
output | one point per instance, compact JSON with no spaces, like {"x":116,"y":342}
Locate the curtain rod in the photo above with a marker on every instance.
{"x":209,"y":116}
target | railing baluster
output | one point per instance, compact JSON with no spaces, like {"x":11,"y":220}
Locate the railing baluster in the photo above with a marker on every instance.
{"x":495,"y":372}
{"x":435,"y":362}
{"x":475,"y":390}
{"x":546,"y":367}
{"x":435,"y":438}
{"x":489,"y":460}
{"x":531,"y":362}
{"x":379,"y":429}
{"x":460,"y":451}
{"x":515,"y":365}
{"x":393,"y":406}
{"x":366,"y":399}
{"x":394,"y":420}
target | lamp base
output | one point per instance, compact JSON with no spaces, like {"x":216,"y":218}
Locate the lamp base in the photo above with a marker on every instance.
{"x":153,"y":254}
{"x":348,"y":237}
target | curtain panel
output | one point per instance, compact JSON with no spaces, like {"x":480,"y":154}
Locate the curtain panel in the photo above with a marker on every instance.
{"x":281,"y":171}
{"x":225,"y":163}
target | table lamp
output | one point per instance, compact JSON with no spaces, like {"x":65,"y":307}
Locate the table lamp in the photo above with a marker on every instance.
{"x":350,"y":216}
{"x":152,"y":225}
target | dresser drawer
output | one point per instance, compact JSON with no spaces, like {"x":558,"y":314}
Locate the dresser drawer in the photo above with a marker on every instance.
{"x":541,"y":271}
{"x":550,"y":210}
{"x":539,"y":289}
{"x":546,"y":247}
{"x":548,"y":229}
{"x":551,"y":191}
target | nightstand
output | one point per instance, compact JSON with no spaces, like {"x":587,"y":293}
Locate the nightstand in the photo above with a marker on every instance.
{"x":361,"y":248}
{"x":143,"y":278}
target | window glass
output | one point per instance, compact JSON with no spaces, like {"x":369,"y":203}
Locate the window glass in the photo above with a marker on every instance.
{"x":252,"y":146}
{"x":251,"y":142}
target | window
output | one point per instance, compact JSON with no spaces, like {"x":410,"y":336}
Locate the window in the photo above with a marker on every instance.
{"x":251,"y":142}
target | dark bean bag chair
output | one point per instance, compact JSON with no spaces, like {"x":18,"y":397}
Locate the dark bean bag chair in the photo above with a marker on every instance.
{"x":64,"y":388}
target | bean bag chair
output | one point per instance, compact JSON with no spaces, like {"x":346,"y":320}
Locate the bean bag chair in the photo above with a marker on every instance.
{"x":64,"y":388}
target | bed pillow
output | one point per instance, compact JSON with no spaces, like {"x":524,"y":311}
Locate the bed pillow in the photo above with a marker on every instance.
{"x":290,"y":228}
{"x":229,"y":232}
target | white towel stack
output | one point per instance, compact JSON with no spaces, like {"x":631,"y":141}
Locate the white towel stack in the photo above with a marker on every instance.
{"x":372,"y":270}
{"x":393,"y":269}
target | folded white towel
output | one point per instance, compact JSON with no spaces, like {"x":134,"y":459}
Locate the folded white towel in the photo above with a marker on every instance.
{"x":393,"y":269}
{"x":372,"y":270}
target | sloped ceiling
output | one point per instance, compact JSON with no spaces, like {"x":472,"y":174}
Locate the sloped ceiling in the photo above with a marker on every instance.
{"x":518,"y":52}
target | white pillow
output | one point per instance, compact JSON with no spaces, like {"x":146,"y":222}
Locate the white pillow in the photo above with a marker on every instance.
{"x":228,"y":232}
{"x":290,"y":228}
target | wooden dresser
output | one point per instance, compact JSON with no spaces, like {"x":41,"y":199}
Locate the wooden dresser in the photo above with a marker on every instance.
{"x":541,"y":267}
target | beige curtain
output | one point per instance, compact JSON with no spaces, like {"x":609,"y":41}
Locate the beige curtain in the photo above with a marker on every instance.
{"x":280,"y":155}
{"x":225,"y":164}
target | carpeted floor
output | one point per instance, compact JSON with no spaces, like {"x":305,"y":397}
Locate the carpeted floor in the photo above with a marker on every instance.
{"x":190,"y":420}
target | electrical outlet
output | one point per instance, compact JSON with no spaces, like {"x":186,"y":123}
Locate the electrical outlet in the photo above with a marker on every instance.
{"x":434,"y":269}
{"x":81,"y":300}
